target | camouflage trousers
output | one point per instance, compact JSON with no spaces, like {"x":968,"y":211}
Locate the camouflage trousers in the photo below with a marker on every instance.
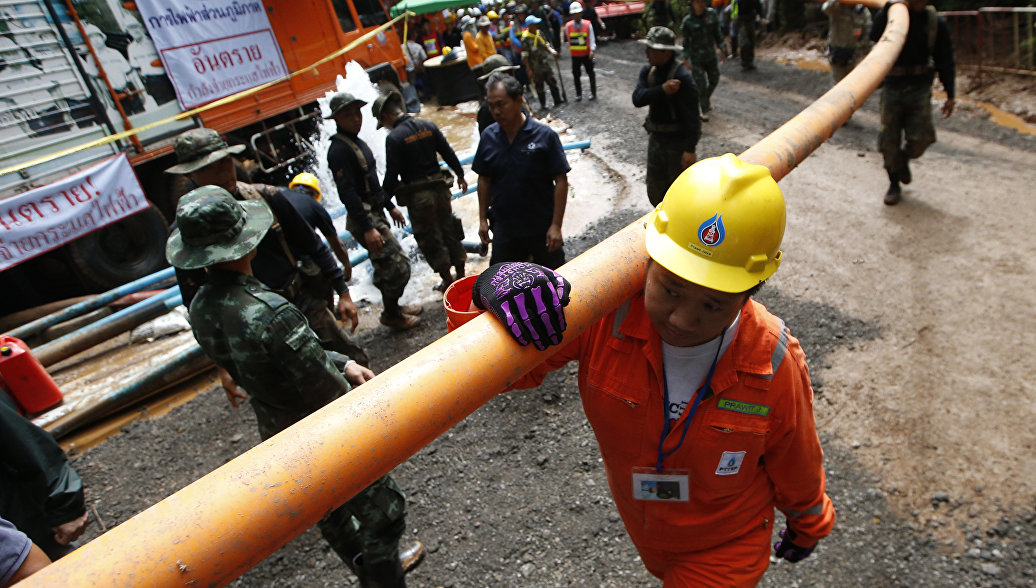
{"x":436,"y":229}
{"x":314,"y":300}
{"x":746,"y":41}
{"x":706,"y":77}
{"x":546,"y":76}
{"x":906,"y":123}
{"x":664,"y":154}
{"x":365,"y":533}
{"x":391,"y":264}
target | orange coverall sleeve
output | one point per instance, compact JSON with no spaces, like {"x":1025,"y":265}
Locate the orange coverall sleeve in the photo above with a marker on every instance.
{"x":794,"y":458}
{"x":568,"y":351}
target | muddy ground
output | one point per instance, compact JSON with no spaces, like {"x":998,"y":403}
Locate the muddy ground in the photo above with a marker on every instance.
{"x":915,"y":320}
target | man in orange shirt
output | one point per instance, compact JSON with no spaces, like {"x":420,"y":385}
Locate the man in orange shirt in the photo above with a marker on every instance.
{"x":484,"y":38}
{"x":697,"y":488}
{"x":467,"y":24}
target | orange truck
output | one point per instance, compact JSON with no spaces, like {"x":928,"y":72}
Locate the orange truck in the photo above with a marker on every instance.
{"x":74,"y":71}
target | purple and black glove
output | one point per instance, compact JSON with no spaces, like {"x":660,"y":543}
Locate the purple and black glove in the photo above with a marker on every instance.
{"x":786,"y":548}
{"x":528,"y":299}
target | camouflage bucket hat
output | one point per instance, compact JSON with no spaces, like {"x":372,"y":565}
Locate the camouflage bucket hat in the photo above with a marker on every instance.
{"x":383,"y":101}
{"x":197,"y":148}
{"x":340,"y":101}
{"x":661,"y":38}
{"x":212,"y":227}
{"x":493,"y":64}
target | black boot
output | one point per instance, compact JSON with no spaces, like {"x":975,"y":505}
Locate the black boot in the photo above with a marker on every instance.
{"x":555,"y":94}
{"x":894,"y":193}
{"x":593,"y":87}
{"x":387,"y":574}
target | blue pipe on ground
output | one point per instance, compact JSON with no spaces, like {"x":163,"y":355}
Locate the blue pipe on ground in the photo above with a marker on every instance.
{"x":183,"y":366}
{"x":29,"y":329}
{"x":108,"y":327}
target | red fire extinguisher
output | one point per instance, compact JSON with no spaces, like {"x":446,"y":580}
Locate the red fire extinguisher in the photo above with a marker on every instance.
{"x":25,"y":379}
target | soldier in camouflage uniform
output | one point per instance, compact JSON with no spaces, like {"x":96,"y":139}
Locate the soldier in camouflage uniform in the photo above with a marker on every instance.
{"x":701,"y":39}
{"x":538,"y":56}
{"x":410,"y":155}
{"x":907,"y":128}
{"x":746,"y":15}
{"x":291,"y":257}
{"x":266,"y":345}
{"x":846,"y":41}
{"x":355,"y":173}
{"x":673,"y":123}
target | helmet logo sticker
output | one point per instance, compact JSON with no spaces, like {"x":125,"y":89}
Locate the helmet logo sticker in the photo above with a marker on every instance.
{"x":711,"y":232}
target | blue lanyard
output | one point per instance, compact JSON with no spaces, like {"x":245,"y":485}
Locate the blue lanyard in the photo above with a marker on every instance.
{"x":698,"y":395}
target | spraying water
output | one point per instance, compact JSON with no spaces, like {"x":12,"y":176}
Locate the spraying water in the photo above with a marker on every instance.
{"x":591,"y":192}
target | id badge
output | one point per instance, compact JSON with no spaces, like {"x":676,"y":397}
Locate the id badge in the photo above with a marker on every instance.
{"x":668,"y":485}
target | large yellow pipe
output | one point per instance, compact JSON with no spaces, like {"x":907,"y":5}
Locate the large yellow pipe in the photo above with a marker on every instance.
{"x":231,"y":519}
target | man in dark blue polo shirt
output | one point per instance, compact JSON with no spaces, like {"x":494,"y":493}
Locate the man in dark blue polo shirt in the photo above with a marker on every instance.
{"x":522,"y":182}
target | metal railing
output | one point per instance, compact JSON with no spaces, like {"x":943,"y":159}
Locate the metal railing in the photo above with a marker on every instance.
{"x":1001,"y":39}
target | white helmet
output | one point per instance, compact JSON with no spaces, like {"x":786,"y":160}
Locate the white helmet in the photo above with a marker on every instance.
{"x":475,"y":12}
{"x":575,"y":8}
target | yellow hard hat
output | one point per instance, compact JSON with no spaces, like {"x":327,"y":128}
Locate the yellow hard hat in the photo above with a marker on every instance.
{"x":447,"y":50}
{"x":492,"y":14}
{"x":720,"y":225}
{"x":308,"y":180}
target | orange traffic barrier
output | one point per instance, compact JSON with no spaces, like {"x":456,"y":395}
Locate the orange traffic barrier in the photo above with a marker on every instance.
{"x":215,"y":529}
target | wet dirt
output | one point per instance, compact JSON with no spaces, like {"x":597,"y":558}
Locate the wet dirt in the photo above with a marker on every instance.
{"x":913,"y":319}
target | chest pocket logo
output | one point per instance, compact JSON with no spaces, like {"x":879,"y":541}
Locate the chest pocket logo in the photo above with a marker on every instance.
{"x":730,"y":463}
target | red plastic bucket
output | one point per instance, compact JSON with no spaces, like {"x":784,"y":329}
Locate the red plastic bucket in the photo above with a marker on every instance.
{"x":25,"y":377}
{"x":459,"y":306}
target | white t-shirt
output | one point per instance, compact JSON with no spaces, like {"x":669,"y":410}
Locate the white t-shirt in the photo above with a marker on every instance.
{"x":686,"y":367}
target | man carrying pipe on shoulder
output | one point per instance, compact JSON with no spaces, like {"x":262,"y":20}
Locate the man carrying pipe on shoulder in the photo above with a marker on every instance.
{"x":906,"y":94}
{"x":697,"y":488}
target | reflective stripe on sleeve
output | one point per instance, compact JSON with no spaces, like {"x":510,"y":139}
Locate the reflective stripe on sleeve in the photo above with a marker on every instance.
{"x":778,"y":352}
{"x":813,"y":510}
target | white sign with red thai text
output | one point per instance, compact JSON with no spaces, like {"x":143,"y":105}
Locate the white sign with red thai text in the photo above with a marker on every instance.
{"x":214,"y":48}
{"x":52,"y":215}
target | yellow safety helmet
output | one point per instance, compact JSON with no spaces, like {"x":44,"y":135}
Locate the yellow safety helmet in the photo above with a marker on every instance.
{"x":492,"y":14}
{"x":308,"y":180}
{"x":720,"y":225}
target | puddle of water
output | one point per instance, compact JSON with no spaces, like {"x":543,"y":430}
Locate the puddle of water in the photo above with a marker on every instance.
{"x":1006,"y":119}
{"x":154,"y":408}
{"x":806,"y":62}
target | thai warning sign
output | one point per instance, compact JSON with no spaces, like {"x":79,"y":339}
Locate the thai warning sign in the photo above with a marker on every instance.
{"x":50,"y":216}
{"x":213,"y":49}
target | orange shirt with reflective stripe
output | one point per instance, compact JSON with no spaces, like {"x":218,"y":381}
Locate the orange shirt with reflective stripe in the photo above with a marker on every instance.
{"x":621,"y":385}
{"x":578,"y":38}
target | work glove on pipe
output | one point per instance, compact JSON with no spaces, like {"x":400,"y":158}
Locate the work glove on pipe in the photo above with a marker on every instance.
{"x":528,"y":299}
{"x":786,"y":548}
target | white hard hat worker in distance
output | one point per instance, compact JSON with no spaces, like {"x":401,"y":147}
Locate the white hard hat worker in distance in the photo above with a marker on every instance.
{"x":691,"y":386}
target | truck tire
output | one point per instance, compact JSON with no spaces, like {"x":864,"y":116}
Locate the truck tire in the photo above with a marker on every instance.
{"x":120,"y":252}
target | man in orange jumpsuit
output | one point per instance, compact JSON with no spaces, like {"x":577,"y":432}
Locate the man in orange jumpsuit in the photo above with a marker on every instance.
{"x":699,"y":397}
